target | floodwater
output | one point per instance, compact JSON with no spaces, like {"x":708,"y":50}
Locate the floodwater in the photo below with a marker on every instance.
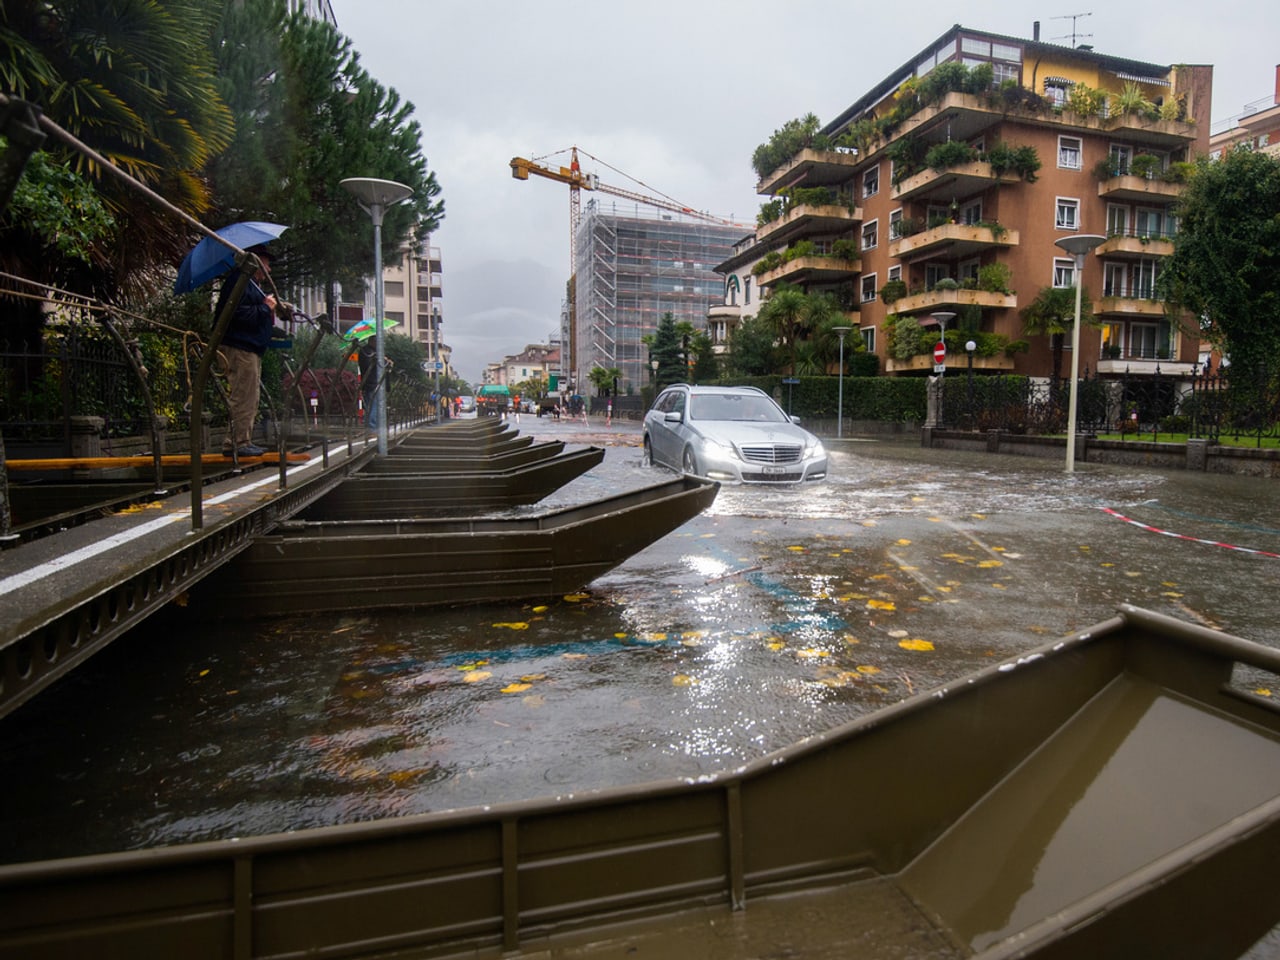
{"x":776,"y":615}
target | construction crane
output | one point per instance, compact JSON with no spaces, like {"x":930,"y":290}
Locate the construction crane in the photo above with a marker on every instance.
{"x":579,"y":181}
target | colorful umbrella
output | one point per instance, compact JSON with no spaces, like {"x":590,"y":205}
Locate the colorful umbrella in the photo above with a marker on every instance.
{"x":209,"y":259}
{"x":364,"y":329}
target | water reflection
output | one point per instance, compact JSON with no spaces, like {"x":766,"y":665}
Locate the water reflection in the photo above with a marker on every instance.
{"x":776,"y":615}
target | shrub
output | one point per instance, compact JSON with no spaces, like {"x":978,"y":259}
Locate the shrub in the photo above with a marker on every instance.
{"x":995,"y":278}
{"x":892,"y":291}
{"x":1084,"y":101}
{"x":770,"y":211}
{"x":1146,"y":165}
{"x":947,"y":283}
{"x":845,"y":248}
{"x":1023,"y":161}
{"x":944,"y":156}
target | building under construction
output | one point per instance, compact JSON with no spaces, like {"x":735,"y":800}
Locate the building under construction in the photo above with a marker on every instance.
{"x":632,"y":264}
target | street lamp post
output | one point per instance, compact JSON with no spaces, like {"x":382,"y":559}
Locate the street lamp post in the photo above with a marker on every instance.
{"x":969,"y":347}
{"x":841,"y":331}
{"x":940,"y":368}
{"x":435,"y":348}
{"x":375,"y":196}
{"x":1078,"y":246}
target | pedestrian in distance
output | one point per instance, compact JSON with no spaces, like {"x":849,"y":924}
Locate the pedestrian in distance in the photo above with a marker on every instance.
{"x":246,"y":340}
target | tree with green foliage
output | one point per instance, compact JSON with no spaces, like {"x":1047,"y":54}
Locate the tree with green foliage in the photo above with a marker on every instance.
{"x":667,"y":347}
{"x":309,"y":116}
{"x":1225,"y":267}
{"x":1053,"y":313}
{"x":706,"y":366}
{"x":135,"y":80}
{"x":753,"y":349}
{"x":603,"y":379}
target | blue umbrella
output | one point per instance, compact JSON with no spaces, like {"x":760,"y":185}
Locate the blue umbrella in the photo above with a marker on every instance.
{"x":209,"y":259}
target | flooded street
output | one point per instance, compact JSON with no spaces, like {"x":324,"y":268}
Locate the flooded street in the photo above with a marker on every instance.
{"x":776,"y":615}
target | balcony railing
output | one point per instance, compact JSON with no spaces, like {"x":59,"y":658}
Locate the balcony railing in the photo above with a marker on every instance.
{"x":1133,"y":245}
{"x":813,"y":168}
{"x":931,"y":300}
{"x":809,"y":219}
{"x":962,"y":180}
{"x":811,"y":269}
{"x":1129,"y":186}
{"x":957,"y":239}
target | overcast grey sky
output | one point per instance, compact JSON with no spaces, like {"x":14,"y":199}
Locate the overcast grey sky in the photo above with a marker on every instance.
{"x":677,"y":94}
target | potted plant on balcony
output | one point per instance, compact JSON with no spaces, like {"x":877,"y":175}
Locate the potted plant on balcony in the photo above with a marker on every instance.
{"x":1146,"y":165}
{"x":893,"y":291}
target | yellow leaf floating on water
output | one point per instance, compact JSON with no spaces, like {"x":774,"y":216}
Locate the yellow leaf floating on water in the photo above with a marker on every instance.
{"x":1133,"y":573}
{"x":1084,"y":548}
{"x":868,"y":669}
{"x":898,"y":633}
{"x":620,"y":636}
{"x":573,"y":656}
{"x":917,"y":499}
{"x":472,"y":666}
{"x":516,"y":687}
{"x":533,"y":677}
{"x":204,"y":672}
{"x":683,"y":680}
{"x":1000,"y":586}
{"x":811,"y":653}
{"x":904,"y":542}
{"x":776,"y":645}
{"x":915,"y":645}
{"x":1167,"y":583}
{"x":653,"y":637}
{"x":1108,"y":564}
{"x":1171,"y":593}
{"x":476,"y":675}
{"x":868,"y":523}
{"x":512,"y":626}
{"x":693,"y":635}
{"x":1263,"y":692}
{"x":540,"y":609}
{"x":797,"y":549}
{"x":988,"y":564}
{"x":851,"y":639}
{"x":576,"y":597}
{"x":887,"y":605}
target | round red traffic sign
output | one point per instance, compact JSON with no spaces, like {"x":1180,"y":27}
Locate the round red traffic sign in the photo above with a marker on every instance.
{"x":940,"y":352}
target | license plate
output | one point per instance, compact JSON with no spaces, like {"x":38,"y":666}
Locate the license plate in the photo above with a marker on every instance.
{"x":772,"y":470}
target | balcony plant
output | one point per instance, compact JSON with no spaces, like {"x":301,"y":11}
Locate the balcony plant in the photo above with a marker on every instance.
{"x":1146,"y":165}
{"x":995,"y":278}
{"x":770,"y":211}
{"x":1024,"y":161}
{"x":1084,"y":101}
{"x":788,"y":140}
{"x":893,"y":291}
{"x":950,"y":154}
{"x":845,"y":249}
{"x":1132,"y":100}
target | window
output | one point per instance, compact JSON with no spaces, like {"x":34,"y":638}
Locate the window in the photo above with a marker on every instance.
{"x":1004,"y":71}
{"x":1147,"y":222}
{"x":1144,"y":279}
{"x":967,"y":270}
{"x":870,"y":235}
{"x":933,"y":272}
{"x":871,"y":181}
{"x":868,"y":287}
{"x":895,"y":273}
{"x":1117,"y":220}
{"x":1121,"y":156}
{"x":1068,"y":215}
{"x":1112,"y":341}
{"x":1115,"y":280}
{"x":869,"y":339}
{"x":731,"y":290}
{"x":1069,"y":153}
{"x":393,"y":288}
{"x":1055,"y":91}
{"x":1064,"y":273}
{"x":396,"y":315}
{"x":746,"y":291}
{"x":971,"y":212}
{"x":895,"y":224}
{"x":1149,"y":341}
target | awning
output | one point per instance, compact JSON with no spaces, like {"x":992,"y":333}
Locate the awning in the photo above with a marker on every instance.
{"x":1155,"y":81}
{"x":1060,"y":81}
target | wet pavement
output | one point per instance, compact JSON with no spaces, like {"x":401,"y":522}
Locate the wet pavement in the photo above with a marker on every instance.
{"x":776,"y":615}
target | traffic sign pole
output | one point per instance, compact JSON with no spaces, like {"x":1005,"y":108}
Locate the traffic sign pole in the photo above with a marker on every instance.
{"x":939,"y":357}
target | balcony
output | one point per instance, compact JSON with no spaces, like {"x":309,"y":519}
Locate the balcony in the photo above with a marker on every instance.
{"x":955,"y":240}
{"x":1139,"y":189}
{"x":1143,"y":367}
{"x":805,"y":220}
{"x":955,"y":363}
{"x":813,"y":168}
{"x":812,"y":269}
{"x":1136,"y":248}
{"x":932,"y":300}
{"x":724,"y":311}
{"x":960,"y":181}
{"x":1125,"y":306}
{"x":967,"y":115}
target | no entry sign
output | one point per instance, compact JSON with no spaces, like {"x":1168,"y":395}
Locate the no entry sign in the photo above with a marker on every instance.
{"x":940,"y":352}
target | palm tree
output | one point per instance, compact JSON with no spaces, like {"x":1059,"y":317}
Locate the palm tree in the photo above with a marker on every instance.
{"x":785,"y":311}
{"x":1052,"y":313}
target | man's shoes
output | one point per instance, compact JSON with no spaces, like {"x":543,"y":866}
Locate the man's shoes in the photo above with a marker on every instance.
{"x":250,"y":450}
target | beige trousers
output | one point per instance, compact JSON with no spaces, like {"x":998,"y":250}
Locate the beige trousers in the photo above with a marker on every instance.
{"x":244,"y":373}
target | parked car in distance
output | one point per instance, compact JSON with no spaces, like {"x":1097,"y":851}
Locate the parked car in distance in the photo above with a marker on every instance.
{"x":466,"y":404}
{"x":732,"y":434}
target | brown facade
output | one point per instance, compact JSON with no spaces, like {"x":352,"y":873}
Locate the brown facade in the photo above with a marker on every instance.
{"x":978,"y":242}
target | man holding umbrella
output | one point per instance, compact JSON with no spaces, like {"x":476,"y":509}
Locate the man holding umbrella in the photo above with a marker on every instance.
{"x":246,"y":339}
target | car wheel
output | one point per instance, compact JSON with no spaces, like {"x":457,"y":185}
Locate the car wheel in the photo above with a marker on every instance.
{"x":690,"y":462}
{"x":647,"y":460}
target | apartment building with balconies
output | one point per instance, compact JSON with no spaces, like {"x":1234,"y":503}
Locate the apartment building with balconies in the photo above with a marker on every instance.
{"x":413,"y":296}
{"x":936,"y":199}
{"x":1256,"y":127}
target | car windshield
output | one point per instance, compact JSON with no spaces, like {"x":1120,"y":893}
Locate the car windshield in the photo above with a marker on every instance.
{"x":731,"y":406}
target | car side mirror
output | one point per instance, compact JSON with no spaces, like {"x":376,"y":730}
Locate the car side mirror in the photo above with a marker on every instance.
{"x":673,"y":416}
{"x":795,"y":419}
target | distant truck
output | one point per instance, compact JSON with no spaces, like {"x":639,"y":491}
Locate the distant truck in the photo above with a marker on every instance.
{"x":492,"y":400}
{"x":550,"y":403}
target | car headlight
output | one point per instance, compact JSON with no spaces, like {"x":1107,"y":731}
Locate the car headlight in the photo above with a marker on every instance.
{"x":722,"y":447}
{"x":814,"y":448}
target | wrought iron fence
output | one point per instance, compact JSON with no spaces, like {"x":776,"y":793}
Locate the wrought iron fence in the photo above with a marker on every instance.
{"x":1210,"y":403}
